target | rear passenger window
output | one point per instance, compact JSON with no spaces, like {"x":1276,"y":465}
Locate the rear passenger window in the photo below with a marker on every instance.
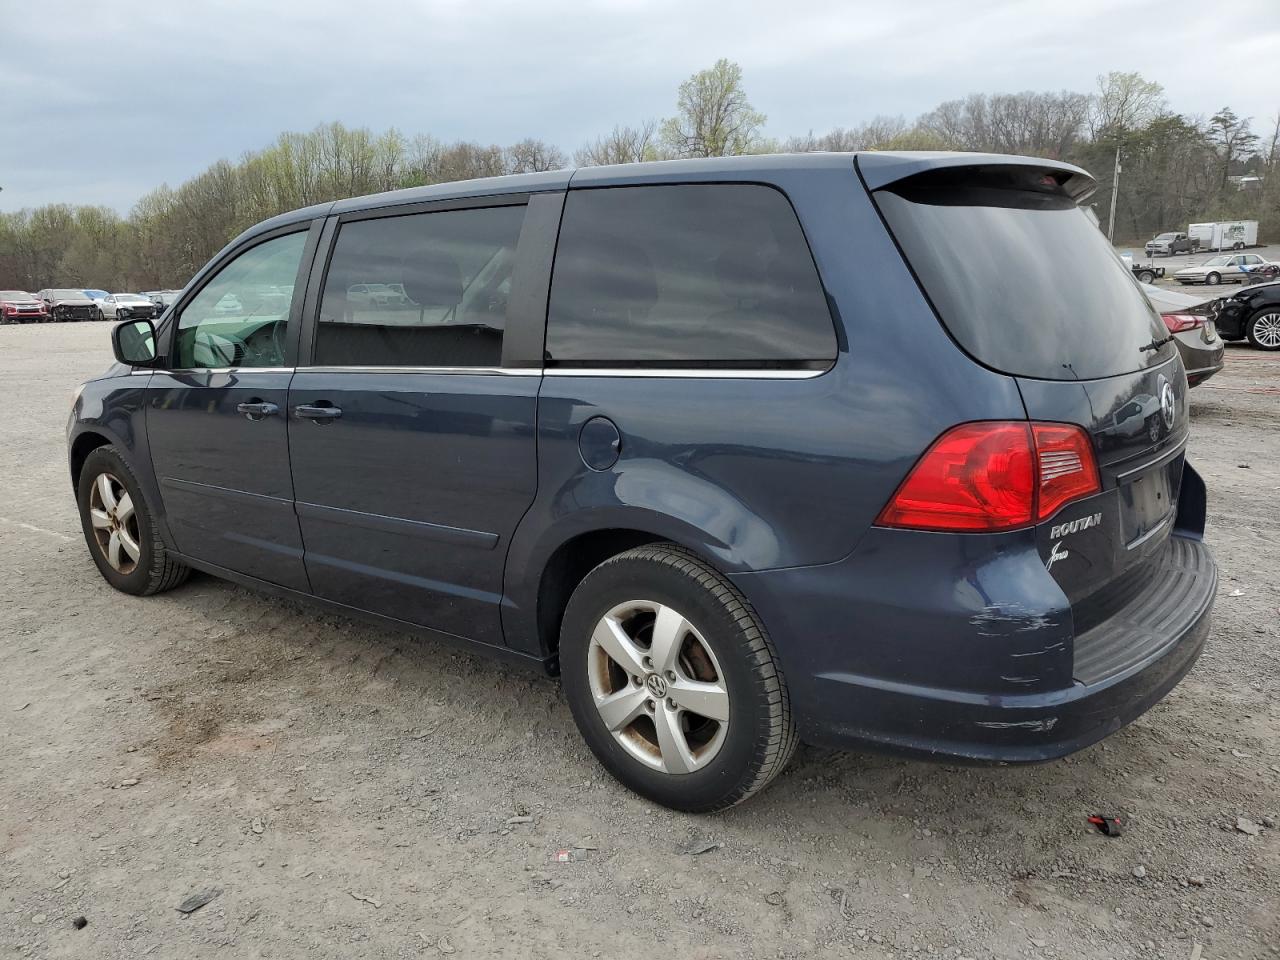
{"x":422,"y":290}
{"x":685,"y":276}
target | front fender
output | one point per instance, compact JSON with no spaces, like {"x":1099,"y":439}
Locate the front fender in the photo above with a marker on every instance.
{"x":114,"y":408}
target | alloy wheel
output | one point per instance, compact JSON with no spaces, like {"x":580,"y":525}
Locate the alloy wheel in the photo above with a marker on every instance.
{"x":657,"y":686}
{"x":115,"y":523}
{"x":1266,"y":330}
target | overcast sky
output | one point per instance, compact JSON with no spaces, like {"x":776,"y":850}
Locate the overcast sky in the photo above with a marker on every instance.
{"x":102,"y":101}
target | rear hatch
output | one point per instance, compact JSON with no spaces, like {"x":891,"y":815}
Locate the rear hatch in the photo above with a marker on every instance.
{"x":1026,"y":284}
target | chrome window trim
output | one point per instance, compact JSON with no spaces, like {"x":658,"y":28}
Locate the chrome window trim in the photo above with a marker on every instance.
{"x":710,"y":373}
{"x":137,"y":371}
{"x":477,"y":371}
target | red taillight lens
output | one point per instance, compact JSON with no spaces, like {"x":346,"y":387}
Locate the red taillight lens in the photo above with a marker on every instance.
{"x":1064,"y":465}
{"x":994,"y":476}
{"x":977,"y":476}
{"x":1180,"y":322}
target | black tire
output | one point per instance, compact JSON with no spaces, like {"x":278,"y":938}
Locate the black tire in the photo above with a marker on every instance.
{"x":154,"y":571}
{"x":1212,"y":279}
{"x":1262,"y":328}
{"x":1146,"y":276}
{"x":760,"y":737}
{"x":101,"y":316}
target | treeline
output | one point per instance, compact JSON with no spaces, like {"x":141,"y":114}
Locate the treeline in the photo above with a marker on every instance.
{"x":1175,"y":169}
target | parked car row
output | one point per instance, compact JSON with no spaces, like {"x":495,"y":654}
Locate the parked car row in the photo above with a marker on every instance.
{"x":61,"y":305}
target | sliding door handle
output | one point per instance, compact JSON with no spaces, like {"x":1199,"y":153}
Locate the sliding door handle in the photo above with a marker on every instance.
{"x":316,"y":412}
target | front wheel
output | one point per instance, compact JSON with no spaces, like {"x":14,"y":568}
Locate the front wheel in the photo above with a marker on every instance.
{"x":1212,"y":280}
{"x":120,"y":528}
{"x":673,"y":681}
{"x":1263,"y":330}
{"x":1146,"y":276}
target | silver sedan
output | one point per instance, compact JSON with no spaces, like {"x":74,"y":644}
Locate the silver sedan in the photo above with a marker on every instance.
{"x":1229,"y":268}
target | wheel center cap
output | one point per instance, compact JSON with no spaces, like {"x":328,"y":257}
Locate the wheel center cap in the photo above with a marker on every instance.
{"x":656,"y":685}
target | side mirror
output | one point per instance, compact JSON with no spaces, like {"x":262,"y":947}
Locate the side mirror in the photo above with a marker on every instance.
{"x":134,"y":343}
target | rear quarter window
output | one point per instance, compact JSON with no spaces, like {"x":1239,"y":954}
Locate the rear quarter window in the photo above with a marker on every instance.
{"x":685,"y":276}
{"x":1021,"y":277}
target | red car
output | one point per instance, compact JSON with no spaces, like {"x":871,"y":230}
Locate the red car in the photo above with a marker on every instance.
{"x":18,"y":306}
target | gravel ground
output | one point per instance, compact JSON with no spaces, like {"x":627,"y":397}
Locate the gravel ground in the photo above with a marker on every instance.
{"x":350,"y":792}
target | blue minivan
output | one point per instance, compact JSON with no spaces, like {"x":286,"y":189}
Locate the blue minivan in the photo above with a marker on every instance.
{"x":878,"y":450}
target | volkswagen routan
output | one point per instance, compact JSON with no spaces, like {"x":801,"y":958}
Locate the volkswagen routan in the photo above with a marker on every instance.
{"x":884,"y":450}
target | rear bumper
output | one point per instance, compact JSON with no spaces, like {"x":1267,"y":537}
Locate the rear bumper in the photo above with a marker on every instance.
{"x":1132,"y":660}
{"x":1200,"y":374}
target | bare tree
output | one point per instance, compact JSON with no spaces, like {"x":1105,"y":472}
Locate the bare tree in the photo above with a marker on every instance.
{"x":621,"y":145}
{"x":714,"y":117}
{"x":1124,"y":101}
{"x":534,"y":156}
{"x":1233,"y":138}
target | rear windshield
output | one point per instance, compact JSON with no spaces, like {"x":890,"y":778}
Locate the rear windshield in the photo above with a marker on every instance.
{"x":1020,"y":275}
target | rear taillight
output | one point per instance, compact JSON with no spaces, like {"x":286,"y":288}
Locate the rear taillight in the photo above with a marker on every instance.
{"x":1181,"y":322}
{"x":1065,"y":467}
{"x":994,"y":475}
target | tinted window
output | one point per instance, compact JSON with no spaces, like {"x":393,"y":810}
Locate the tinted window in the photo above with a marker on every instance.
{"x":424,"y":290}
{"x":239,"y":318}
{"x":1021,"y":277}
{"x":685,"y":275}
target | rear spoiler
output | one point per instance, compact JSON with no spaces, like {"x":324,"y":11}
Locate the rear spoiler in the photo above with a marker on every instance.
{"x":881,"y":169}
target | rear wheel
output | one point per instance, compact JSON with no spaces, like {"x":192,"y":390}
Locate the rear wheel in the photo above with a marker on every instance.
{"x":673,"y":682}
{"x":1263,"y":330}
{"x":120,"y":529}
{"x":1146,"y":276}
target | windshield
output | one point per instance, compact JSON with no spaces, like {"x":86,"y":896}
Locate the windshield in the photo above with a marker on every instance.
{"x":15,"y":295}
{"x":130,"y":296}
{"x":1217,"y":262}
{"x":1166,"y":236}
{"x":1020,"y":276}
{"x":70,"y":295}
{"x":94,"y":294}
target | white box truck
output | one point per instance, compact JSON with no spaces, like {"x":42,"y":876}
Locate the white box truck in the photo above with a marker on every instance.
{"x":1227,"y":235}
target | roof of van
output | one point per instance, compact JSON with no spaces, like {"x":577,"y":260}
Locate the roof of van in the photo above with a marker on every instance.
{"x":878,"y":169}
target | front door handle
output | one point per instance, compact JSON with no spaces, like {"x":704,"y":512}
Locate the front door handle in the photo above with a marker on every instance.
{"x":317,"y":412}
{"x":257,"y":409}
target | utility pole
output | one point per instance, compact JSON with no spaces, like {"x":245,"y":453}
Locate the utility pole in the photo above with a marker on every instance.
{"x":1115,"y":188}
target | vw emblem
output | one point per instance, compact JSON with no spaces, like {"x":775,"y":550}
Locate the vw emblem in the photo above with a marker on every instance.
{"x":1168,"y":406}
{"x":657,"y":686}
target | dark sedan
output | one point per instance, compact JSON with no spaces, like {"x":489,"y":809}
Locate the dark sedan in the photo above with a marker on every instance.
{"x":68,"y":305}
{"x":1194,"y":334}
{"x":1253,"y":314}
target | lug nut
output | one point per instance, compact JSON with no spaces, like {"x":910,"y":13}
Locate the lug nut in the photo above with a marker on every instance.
{"x":671,"y":704}
{"x":649,"y":705}
{"x":648,"y":663}
{"x":671,"y":675}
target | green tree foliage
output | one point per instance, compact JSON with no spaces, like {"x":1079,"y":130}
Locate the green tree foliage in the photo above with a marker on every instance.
{"x":713,"y":116}
{"x":1177,"y":169}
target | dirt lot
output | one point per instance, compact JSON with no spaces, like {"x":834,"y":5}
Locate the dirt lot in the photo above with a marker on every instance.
{"x":351,"y":792}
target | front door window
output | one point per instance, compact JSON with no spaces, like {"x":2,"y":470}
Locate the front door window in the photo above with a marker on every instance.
{"x":240,"y":317}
